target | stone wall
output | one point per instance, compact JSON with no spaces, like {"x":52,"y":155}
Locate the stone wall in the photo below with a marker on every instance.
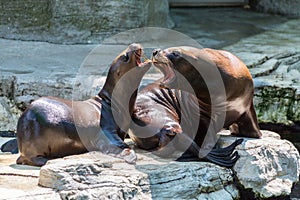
{"x":273,"y":58}
{"x":82,"y":21}
{"x":284,"y":7}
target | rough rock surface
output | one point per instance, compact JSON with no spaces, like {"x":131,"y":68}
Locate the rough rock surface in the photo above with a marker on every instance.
{"x":95,"y":175}
{"x":9,"y":115}
{"x":88,"y":21}
{"x":274,"y":61}
{"x":268,"y":167}
{"x":18,"y":182}
{"x":284,"y":7}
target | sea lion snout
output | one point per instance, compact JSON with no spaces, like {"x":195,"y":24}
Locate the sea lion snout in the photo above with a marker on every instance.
{"x":155,"y":52}
{"x":135,"y":47}
{"x":159,"y":56}
{"x":161,"y":60}
{"x":136,"y":51}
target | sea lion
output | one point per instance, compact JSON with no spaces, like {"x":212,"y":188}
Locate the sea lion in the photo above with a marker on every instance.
{"x":52,"y":127}
{"x":203,"y":90}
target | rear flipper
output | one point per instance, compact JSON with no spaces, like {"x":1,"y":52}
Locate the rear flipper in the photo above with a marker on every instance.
{"x":35,"y":161}
{"x":10,"y":146}
{"x":226,"y":151}
{"x":225,"y":157}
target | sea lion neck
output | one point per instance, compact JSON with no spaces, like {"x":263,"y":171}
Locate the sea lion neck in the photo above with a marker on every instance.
{"x":105,"y":95}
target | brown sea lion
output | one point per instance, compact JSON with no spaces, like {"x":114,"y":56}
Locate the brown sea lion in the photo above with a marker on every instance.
{"x":53,"y":127}
{"x":203,"y":90}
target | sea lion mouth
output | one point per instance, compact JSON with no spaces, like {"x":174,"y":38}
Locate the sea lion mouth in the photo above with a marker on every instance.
{"x":165,"y":65}
{"x":140,"y":58}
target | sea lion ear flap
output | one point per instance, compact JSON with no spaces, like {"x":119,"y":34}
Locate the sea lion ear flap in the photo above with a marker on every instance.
{"x":187,"y":53}
{"x":189,"y":57}
{"x":172,"y":54}
{"x":176,"y":53}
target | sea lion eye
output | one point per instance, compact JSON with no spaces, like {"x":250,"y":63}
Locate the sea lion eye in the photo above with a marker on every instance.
{"x":175,"y":53}
{"x":125,"y":57}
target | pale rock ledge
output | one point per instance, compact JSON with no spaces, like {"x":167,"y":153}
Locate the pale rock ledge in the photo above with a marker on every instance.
{"x":268,"y":167}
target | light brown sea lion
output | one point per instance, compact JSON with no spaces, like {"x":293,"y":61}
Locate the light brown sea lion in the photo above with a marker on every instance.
{"x":53,"y":127}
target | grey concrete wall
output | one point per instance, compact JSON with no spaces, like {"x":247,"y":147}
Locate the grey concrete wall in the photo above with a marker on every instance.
{"x":283,"y":7}
{"x":78,"y":21}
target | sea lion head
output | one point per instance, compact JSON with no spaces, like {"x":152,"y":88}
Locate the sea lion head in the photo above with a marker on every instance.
{"x":175,"y":60}
{"x":129,"y":60}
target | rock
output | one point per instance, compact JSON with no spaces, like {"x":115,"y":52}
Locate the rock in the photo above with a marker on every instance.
{"x":88,"y":21}
{"x":95,"y":175}
{"x":9,"y":115}
{"x":7,"y":86}
{"x":277,"y":105}
{"x":19,"y":182}
{"x":284,"y":7}
{"x":268,"y":167}
{"x":30,"y":90}
{"x":274,"y":61}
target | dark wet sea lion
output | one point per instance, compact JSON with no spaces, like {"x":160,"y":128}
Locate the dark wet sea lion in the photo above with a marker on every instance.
{"x":53,"y":127}
{"x":168,"y":108}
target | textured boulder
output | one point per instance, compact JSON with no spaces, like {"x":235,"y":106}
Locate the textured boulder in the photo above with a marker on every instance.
{"x":88,"y":21}
{"x":95,"y":175}
{"x":284,"y":7}
{"x":19,"y":182}
{"x":273,"y":58}
{"x":7,"y":86}
{"x":9,"y":115}
{"x":277,"y":95}
{"x":268,"y":167}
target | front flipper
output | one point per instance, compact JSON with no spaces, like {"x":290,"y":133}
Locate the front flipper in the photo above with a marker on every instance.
{"x":109,"y":127}
{"x":34,"y":161}
{"x":116,"y":146}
